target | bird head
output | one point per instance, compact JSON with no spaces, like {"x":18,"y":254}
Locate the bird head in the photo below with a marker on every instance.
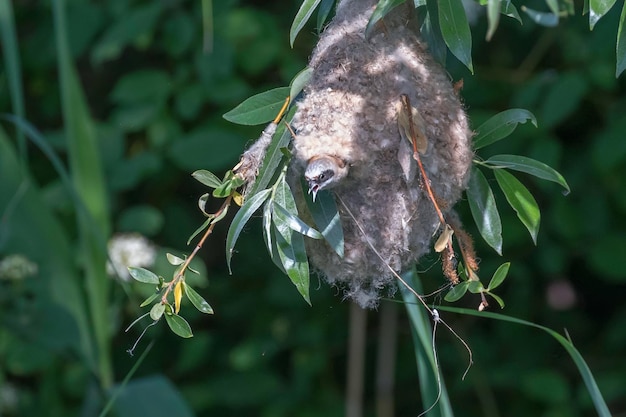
{"x":323,"y":172}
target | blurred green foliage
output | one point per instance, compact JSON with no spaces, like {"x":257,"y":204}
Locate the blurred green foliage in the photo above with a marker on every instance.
{"x":157,"y":99}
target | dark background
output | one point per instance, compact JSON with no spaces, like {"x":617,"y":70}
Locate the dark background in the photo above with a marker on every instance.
{"x":158,"y":98}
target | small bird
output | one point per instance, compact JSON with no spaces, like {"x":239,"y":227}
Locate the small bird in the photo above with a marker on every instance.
{"x":323,"y":172}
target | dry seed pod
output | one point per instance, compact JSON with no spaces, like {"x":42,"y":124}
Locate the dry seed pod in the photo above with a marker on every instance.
{"x":349,"y":114}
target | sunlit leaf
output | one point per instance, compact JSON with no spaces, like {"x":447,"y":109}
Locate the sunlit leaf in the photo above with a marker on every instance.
{"x":299,"y":81}
{"x":529,"y":166}
{"x":143,"y":275}
{"x":455,"y":30}
{"x":499,"y":276}
{"x":597,"y":9}
{"x":501,"y":125}
{"x":246,"y":211}
{"x":621,"y":44}
{"x":521,"y":200}
{"x":178,"y":296}
{"x":382,"y":8}
{"x":267,"y":227}
{"x":173,"y":259}
{"x":157,"y":311}
{"x":296,"y":224}
{"x":493,"y":17}
{"x":197,"y":300}
{"x":302,"y":17}
{"x":260,"y":108}
{"x":457,"y":292}
{"x":179,"y":325}
{"x":542,"y":18}
{"x":484,"y":211}
{"x":207,"y":178}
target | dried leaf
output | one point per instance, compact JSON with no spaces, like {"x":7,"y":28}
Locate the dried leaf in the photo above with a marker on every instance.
{"x":444,"y":238}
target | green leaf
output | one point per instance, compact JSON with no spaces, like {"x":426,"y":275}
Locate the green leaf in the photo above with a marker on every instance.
{"x":204,"y":225}
{"x":455,"y":30}
{"x":542,"y":18}
{"x":583,"y":368}
{"x":293,"y":257}
{"x":509,"y":9}
{"x":553,"y":5}
{"x":323,"y":12}
{"x":174,"y":260}
{"x":521,"y":200}
{"x":501,"y":125}
{"x":267,"y":228}
{"x":597,"y":9}
{"x":239,"y":221}
{"x":150,"y":299}
{"x":207,"y":178}
{"x":493,"y":17}
{"x":296,"y":224}
{"x":303,"y":16}
{"x":499,"y":300}
{"x":299,"y":81}
{"x":142,"y":86}
{"x":499,"y":276}
{"x":143,"y":275}
{"x":179,"y":325}
{"x":529,"y":166}
{"x":157,"y":311}
{"x":475,"y":286}
{"x":382,"y":8}
{"x":620,"y":49}
{"x":457,"y":292}
{"x":197,"y":300}
{"x":260,"y":108}
{"x":326,"y":217}
{"x":484,"y":211}
{"x":283,"y":198}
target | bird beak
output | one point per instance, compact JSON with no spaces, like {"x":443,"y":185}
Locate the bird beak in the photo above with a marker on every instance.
{"x":313,"y":189}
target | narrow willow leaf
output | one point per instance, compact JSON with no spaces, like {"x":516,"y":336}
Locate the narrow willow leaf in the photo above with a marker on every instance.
{"x":326,"y":217}
{"x":207,"y":178}
{"x":150,"y":299}
{"x":500,"y":126}
{"x":621,"y":44}
{"x":542,"y":18}
{"x":197,"y":300}
{"x":499,"y":300}
{"x":206,"y":224}
{"x":283,"y":197}
{"x":293,"y":257}
{"x":597,"y":9}
{"x":143,"y":275}
{"x":174,"y":260}
{"x":323,"y":12}
{"x":553,"y":5}
{"x":493,"y":17}
{"x":267,"y":228}
{"x":273,"y":155}
{"x":592,"y":387}
{"x":179,"y":325}
{"x":296,"y":224}
{"x":475,"y":286}
{"x":529,"y":166}
{"x":239,"y":221}
{"x":457,"y":292}
{"x":499,"y":276}
{"x":258,"y":109}
{"x":431,"y":32}
{"x":484,"y":211}
{"x":299,"y":81}
{"x":382,"y":8}
{"x":455,"y":30}
{"x":509,"y":9}
{"x":157,"y":311}
{"x":302,"y":17}
{"x":521,"y":200}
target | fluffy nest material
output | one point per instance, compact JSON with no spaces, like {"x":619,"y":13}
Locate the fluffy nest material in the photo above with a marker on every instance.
{"x":350,"y":111}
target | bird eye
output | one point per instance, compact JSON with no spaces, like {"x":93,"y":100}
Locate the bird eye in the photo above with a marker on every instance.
{"x":322,"y":177}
